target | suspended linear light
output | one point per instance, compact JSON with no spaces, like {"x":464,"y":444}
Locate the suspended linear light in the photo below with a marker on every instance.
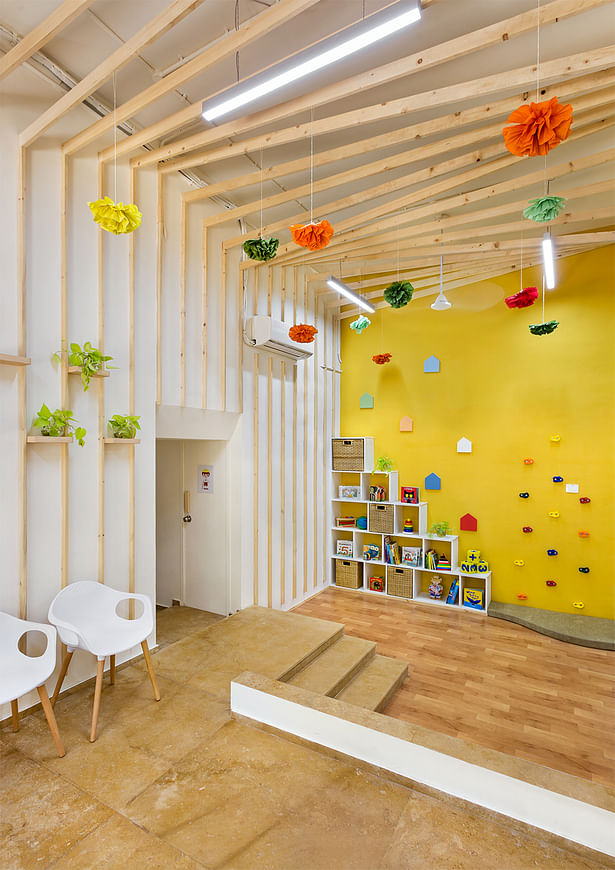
{"x":547,"y":261}
{"x":441,"y":303}
{"x":344,"y":290}
{"x":352,"y":39}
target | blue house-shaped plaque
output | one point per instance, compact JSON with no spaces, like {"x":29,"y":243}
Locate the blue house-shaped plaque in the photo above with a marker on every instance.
{"x":366,"y":401}
{"x":431,"y":365}
{"x":432,"y":481}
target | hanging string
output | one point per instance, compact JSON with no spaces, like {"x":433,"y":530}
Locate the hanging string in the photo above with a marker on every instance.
{"x":521,"y":270}
{"x":398,"y":247}
{"x":312,"y":165}
{"x":261,"y":235}
{"x":114,"y":139}
{"x":237,"y":23}
{"x":538,"y":52}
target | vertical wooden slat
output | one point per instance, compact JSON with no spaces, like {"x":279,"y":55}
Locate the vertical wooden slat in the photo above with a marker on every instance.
{"x":283,"y":484}
{"x":240,"y":297}
{"x":269,"y":289}
{"x":64,"y":367}
{"x":182,"y":306}
{"x":223,"y":333}
{"x":269,"y":482}
{"x":283,"y":299}
{"x":159,"y":243}
{"x":131,"y":395}
{"x":294,"y":523}
{"x":22,"y":477}
{"x":315,"y":457}
{"x":255,"y":484}
{"x":325,"y":512}
{"x":305,"y":447}
{"x":204,"y":324}
{"x":100,"y":398}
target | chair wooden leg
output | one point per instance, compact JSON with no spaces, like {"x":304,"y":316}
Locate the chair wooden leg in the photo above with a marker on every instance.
{"x":97,"y":693}
{"x":15,"y":715}
{"x":51,"y":719}
{"x":65,"y":663}
{"x":150,"y":669}
{"x":112,"y":670}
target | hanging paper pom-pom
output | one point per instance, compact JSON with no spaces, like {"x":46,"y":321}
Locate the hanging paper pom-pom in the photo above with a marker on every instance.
{"x":303,"y":333}
{"x":544,"y":328}
{"x":537,"y":128}
{"x":381,"y":358}
{"x":115,"y":217}
{"x":398,"y":294}
{"x":261,"y":249}
{"x":523,"y":299}
{"x":313,"y":236}
{"x":544,"y":209}
{"x":360,"y":324}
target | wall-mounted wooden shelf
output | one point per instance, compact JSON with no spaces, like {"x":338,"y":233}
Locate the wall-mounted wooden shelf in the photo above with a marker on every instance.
{"x":49,"y":439}
{"x":122,"y":440}
{"x":76,"y":370}
{"x":9,"y":359}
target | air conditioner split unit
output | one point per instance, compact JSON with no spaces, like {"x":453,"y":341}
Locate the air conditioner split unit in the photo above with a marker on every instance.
{"x":265,"y":333}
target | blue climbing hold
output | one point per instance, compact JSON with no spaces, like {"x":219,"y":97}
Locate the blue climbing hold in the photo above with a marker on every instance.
{"x":524,"y":495}
{"x":558,"y":479}
{"x":584,"y":570}
{"x":551,"y":552}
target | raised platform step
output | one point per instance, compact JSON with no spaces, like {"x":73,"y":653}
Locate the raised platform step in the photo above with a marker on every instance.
{"x":376,"y":684}
{"x":336,"y":666}
{"x":590,"y":631}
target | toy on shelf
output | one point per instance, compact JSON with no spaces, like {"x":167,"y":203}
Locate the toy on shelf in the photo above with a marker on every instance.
{"x":384,"y":463}
{"x":349,"y":492}
{"x":584,"y":570}
{"x":392,"y":552}
{"x":444,"y":563}
{"x":473,"y":555}
{"x":376,"y":584}
{"x":584,"y":500}
{"x":553,"y":514}
{"x":473,"y":564}
{"x":558,"y":479}
{"x":522,"y":596}
{"x":344,"y":548}
{"x":468,"y":523}
{"x":412,"y":556}
{"x":377,"y":493}
{"x":362,"y":523}
{"x":371,"y":552}
{"x":551,"y":552}
{"x":527,"y":529}
{"x":556,"y":438}
{"x":551,"y":582}
{"x":346,"y":522}
{"x":451,"y":598}
{"x":524,"y":495}
{"x":436,"y":588}
{"x":528,"y":461}
{"x":439,"y":529}
{"x":519,"y":563}
{"x":431,"y":559}
{"x":583,"y":534}
{"x":578,"y":604}
{"x":408,"y":525}
{"x":410,"y":494}
{"x":473,"y":598}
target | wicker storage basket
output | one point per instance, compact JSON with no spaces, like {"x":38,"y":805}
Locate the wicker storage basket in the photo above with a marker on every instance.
{"x":399,"y":581}
{"x":348,"y":454}
{"x":381,"y":518}
{"x":349,"y":574}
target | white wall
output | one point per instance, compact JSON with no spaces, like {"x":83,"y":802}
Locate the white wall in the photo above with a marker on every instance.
{"x":169,"y":481}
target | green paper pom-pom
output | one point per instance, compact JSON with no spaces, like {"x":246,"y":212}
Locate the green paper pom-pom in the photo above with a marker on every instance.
{"x":398,"y":294}
{"x":261,"y":249}
{"x":544,"y":328}
{"x":544,"y":209}
{"x":360,"y":324}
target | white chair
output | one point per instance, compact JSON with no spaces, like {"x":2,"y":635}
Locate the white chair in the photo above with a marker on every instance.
{"x":85,"y":614}
{"x":20,"y":673}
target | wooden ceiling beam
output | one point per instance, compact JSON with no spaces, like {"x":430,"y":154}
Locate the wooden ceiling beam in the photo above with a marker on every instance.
{"x":42,"y":33}
{"x":154,"y":29}
{"x":255,"y":28}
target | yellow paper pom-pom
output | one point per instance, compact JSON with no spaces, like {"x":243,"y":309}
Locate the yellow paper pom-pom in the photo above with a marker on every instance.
{"x":115,"y":217}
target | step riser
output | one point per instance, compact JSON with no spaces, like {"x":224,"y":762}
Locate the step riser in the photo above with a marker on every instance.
{"x":351,"y":674}
{"x":388,"y":696}
{"x":307,"y":659}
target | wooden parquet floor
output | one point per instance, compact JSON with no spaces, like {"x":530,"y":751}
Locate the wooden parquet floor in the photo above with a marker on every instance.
{"x":490,"y":682}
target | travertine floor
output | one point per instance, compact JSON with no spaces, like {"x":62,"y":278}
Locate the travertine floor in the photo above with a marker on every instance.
{"x":178,"y":784}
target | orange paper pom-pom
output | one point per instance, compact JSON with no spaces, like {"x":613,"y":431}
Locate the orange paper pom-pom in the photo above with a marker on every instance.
{"x":312,"y":236}
{"x":537,"y":127}
{"x":381,"y":358}
{"x":303,"y":333}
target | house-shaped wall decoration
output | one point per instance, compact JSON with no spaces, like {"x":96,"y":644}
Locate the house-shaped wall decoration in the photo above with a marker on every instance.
{"x":432,"y":481}
{"x":468,"y":523}
{"x":464,"y":445}
{"x":431,"y":365}
{"x":406,"y":424}
{"x":366,"y":401}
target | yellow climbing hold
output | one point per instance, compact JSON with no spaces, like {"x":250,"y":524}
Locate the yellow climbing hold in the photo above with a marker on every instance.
{"x":578,"y":604}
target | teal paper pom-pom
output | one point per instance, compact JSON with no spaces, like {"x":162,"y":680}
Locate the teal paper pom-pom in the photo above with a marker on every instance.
{"x":544,"y":209}
{"x":360,"y":324}
{"x":544,"y":328}
{"x":261,"y":249}
{"x":398,"y":294}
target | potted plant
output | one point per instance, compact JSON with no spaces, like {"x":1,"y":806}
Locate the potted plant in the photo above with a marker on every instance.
{"x":58,"y":423}
{"x":89,"y":359}
{"x":439,"y":529}
{"x":124,"y":426}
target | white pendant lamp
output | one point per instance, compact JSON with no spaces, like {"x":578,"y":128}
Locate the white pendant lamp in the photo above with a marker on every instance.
{"x":350,"y":40}
{"x":441,"y":303}
{"x":344,"y":290}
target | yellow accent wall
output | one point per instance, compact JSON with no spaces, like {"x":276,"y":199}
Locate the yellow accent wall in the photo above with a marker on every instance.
{"x":507,"y":391}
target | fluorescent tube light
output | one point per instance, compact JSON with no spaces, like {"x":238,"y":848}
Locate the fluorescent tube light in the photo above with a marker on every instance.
{"x":344,"y":290}
{"x":547,"y":261}
{"x":350,"y":40}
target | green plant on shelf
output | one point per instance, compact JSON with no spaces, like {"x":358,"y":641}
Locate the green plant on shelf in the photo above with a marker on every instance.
{"x":124,"y":426}
{"x":439,"y":529}
{"x":384,"y":463}
{"x":88,"y":358}
{"x":59,"y":423}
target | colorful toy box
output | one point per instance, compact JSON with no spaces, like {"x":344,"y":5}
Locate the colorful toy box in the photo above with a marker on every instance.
{"x":473,"y":598}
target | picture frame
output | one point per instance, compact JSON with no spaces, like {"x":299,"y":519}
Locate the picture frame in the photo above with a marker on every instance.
{"x":410,"y":494}
{"x":350,"y":492}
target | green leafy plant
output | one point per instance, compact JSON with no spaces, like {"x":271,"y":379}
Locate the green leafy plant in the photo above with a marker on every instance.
{"x":439,"y":529}
{"x":88,"y":358}
{"x":384,"y":463}
{"x":58,"y":423}
{"x":124,"y":426}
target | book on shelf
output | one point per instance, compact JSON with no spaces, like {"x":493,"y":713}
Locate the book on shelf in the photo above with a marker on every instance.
{"x":371,"y":552}
{"x":344,"y":548}
{"x":451,"y":598}
{"x":392,"y":552}
{"x":412,"y":556}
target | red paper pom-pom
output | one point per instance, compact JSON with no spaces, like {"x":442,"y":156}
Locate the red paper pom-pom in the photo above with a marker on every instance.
{"x":381,"y":358}
{"x":303,"y":333}
{"x":523,"y":298}
{"x":537,"y":128}
{"x":312,"y":236}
